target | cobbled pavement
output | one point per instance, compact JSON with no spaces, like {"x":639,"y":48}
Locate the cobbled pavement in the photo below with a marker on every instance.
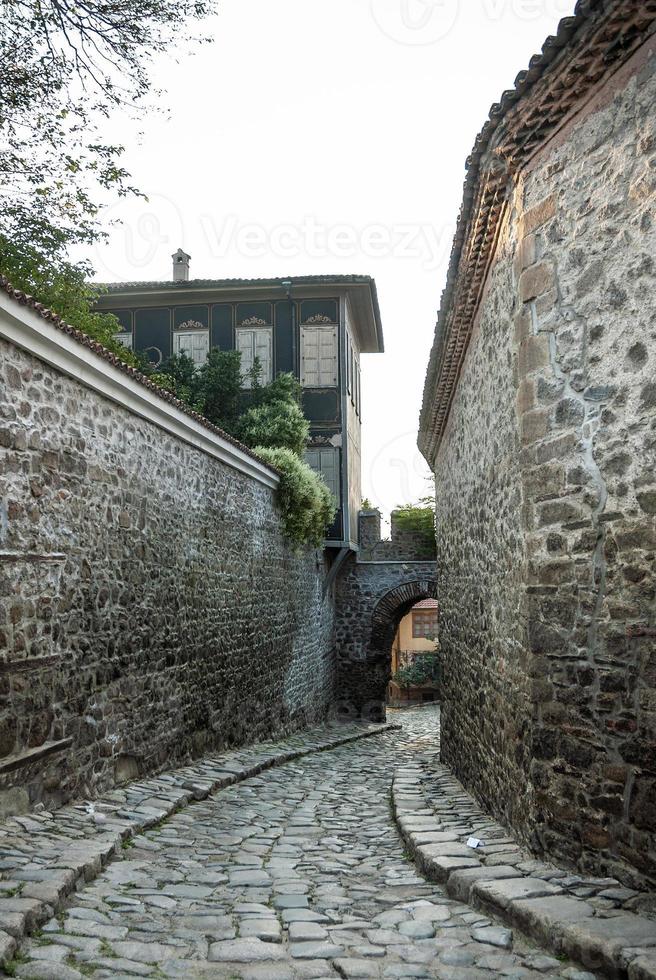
{"x":296,"y":873}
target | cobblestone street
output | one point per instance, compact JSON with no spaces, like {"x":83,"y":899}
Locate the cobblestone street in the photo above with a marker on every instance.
{"x":298,"y":872}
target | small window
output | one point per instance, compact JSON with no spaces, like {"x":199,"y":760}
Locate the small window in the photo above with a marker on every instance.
{"x":255,"y":342}
{"x":358,"y":406}
{"x":194,"y":343}
{"x":354,"y":384}
{"x":424,"y":623}
{"x":325,"y":462}
{"x":349,"y":365}
{"x":124,"y":337}
{"x":319,"y":355}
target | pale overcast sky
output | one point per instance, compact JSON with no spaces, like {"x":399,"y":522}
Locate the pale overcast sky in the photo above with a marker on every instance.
{"x":329,"y":136}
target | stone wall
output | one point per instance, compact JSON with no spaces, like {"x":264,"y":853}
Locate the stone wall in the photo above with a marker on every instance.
{"x":150,"y":608}
{"x":404,"y":543}
{"x":480,"y":561}
{"x":546,"y":501}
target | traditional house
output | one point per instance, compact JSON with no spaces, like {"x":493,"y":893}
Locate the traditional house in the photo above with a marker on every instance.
{"x":316,"y":327}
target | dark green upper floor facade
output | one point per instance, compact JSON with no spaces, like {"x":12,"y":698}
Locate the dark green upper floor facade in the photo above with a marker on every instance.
{"x":315,"y":327}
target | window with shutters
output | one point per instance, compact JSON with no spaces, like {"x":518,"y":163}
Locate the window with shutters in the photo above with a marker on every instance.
{"x":194,"y":343}
{"x":349,"y":365}
{"x":319,"y":355}
{"x":424,"y":623}
{"x":325,"y":462}
{"x":358,"y":402}
{"x":255,"y":342}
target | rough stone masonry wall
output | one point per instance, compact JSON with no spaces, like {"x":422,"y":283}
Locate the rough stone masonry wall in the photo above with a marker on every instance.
{"x":480,"y":561}
{"x":587,"y":401}
{"x":150,"y":608}
{"x":546,"y":503}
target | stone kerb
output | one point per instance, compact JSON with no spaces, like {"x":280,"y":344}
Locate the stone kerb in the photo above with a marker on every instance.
{"x":591,"y":920}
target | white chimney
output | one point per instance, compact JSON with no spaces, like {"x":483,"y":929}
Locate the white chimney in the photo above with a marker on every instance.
{"x":180,"y":266}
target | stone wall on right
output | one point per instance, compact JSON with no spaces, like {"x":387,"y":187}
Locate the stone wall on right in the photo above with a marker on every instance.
{"x":546,"y":501}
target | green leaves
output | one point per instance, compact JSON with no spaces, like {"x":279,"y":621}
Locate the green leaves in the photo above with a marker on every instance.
{"x":62,"y":287}
{"x":425,"y":668}
{"x":277,"y":424}
{"x":306,"y":503}
{"x":64,"y":67}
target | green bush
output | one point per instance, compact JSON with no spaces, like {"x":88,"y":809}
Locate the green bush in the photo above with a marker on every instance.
{"x":275,"y":425}
{"x":417,"y":520}
{"x":426,"y":668}
{"x":305,"y":501}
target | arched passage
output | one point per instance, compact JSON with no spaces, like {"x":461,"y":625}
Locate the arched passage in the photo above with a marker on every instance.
{"x":391,"y":609}
{"x":367,"y":634}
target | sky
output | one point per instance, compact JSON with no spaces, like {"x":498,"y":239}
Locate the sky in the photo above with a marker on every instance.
{"x":327,"y":137}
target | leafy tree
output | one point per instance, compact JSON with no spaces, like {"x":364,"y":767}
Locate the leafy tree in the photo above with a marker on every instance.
{"x":219,"y":389}
{"x":419,"y":520}
{"x":275,"y":417}
{"x":61,"y":286}
{"x":179,"y":375}
{"x":263,"y":415}
{"x":65,"y":66}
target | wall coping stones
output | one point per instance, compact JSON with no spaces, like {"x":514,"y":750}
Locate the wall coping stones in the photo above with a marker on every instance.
{"x":590,"y":920}
{"x":45,"y":856}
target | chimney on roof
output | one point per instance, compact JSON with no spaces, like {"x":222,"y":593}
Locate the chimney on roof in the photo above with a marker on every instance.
{"x":180,"y":266}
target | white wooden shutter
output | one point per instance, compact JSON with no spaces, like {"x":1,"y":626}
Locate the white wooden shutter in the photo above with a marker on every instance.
{"x":319,"y":356}
{"x":263,"y":352}
{"x":194,"y":343}
{"x":328,"y":357}
{"x":325,"y":462}
{"x":246,"y":347}
{"x":310,"y":357}
{"x":330,"y":471}
{"x":200,"y":347}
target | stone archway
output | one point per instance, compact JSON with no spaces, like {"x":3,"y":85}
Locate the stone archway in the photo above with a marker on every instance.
{"x":373,"y":598}
{"x":391,"y":609}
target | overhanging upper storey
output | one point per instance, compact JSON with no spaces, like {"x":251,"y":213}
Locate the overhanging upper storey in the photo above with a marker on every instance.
{"x":361,"y":290}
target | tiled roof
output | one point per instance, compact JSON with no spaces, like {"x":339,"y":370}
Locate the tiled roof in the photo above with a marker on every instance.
{"x":596,"y":40}
{"x":426,"y":604}
{"x":82,"y":338}
{"x":277,"y":282}
{"x":119,"y":287}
